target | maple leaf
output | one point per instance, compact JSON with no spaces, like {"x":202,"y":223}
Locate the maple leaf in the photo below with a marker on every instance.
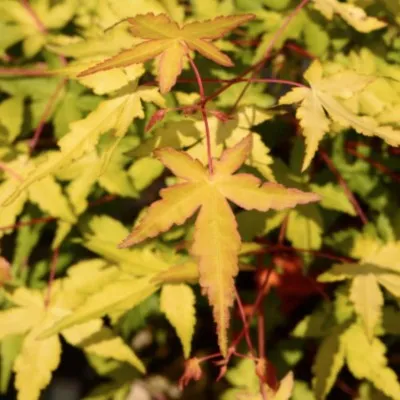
{"x":23,"y":27}
{"x":190,"y":134}
{"x":353,"y":15}
{"x":115,"y":115}
{"x":321,"y":97}
{"x":165,"y":39}
{"x":216,"y":239}
{"x":30,"y":317}
{"x":377,"y":265}
{"x":46,"y":193}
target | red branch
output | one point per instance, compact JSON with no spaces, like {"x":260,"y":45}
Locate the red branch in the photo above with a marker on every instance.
{"x":10,"y":171}
{"x":344,"y":185}
{"x":34,"y":16}
{"x":25,"y":72}
{"x":277,"y":35}
{"x":53,"y":267}
{"x":204,"y":114}
{"x":245,"y":323}
{"x":45,"y":115}
{"x":382,"y":168}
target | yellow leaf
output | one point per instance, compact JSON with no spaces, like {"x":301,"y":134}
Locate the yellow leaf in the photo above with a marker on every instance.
{"x":96,"y":339}
{"x":216,"y":239}
{"x":35,"y":364}
{"x":353,"y":15}
{"x":368,"y":301}
{"x":114,"y":115}
{"x":366,"y":359}
{"x":120,"y":294}
{"x":171,"y":42}
{"x":285,"y":388}
{"x":323,"y":97}
{"x":47,"y":194}
{"x":190,"y":134}
{"x":177,"y":302}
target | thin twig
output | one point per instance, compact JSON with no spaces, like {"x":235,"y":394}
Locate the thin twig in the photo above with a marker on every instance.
{"x":10,"y":171}
{"x":280,"y":247}
{"x":344,"y":185}
{"x":204,"y":114}
{"x":245,"y":323}
{"x":275,"y":38}
{"x":37,"y":72}
{"x":34,"y":16}
{"x":53,"y":267}
{"x":46,"y":113}
{"x":382,"y":168}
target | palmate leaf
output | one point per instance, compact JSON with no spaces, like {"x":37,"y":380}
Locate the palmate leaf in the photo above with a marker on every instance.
{"x":353,"y":15}
{"x":378,"y":266}
{"x":190,"y":135}
{"x":112,"y":116}
{"x":30,"y":317}
{"x":367,"y":359}
{"x":216,"y":239}
{"x":47,"y":194}
{"x":24,"y":26}
{"x":321,"y":98}
{"x":170,"y":42}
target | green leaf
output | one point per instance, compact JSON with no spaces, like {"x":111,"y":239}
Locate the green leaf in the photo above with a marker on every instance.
{"x":328,"y":363}
{"x":305,"y":227}
{"x":333,"y":198}
{"x":10,"y":347}
{"x":177,"y":302}
{"x":11,"y":118}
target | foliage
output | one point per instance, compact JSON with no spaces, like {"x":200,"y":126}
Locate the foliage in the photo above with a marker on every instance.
{"x":262,"y":196}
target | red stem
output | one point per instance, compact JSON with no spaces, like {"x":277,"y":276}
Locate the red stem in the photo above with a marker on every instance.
{"x":271,"y":45}
{"x":281,"y":247}
{"x":53,"y":267}
{"x":45,"y":115}
{"x":9,"y":170}
{"x":41,"y":220}
{"x":204,"y":115}
{"x":34,"y":16}
{"x":245,"y":323}
{"x":344,"y":185}
{"x":385,"y":170}
{"x":25,"y":72}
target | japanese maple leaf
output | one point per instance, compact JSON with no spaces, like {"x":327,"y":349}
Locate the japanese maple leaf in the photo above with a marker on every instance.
{"x":170,"y":42}
{"x":319,"y":105}
{"x":216,"y":240}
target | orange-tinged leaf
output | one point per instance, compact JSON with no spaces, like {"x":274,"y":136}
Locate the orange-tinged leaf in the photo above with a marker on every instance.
{"x":182,"y":165}
{"x":216,"y":246}
{"x":177,"y":205}
{"x":210,"y":51}
{"x":165,"y":38}
{"x":232,"y":159}
{"x":170,"y":65}
{"x":216,"y":239}
{"x":245,"y":190}
{"x":138,"y":54}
